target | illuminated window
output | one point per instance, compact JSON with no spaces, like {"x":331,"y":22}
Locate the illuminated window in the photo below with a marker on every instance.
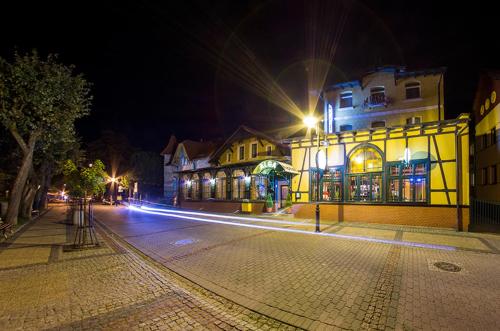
{"x":258,"y":187}
{"x":407,"y":182}
{"x":365,"y":175}
{"x":412,"y":90}
{"x":206,"y":187}
{"x":195,"y":187}
{"x":254,"y":151}
{"x":330,"y":119}
{"x":238,"y":186}
{"x":221,"y":186}
{"x":345,"y":99}
{"x":331,"y":185}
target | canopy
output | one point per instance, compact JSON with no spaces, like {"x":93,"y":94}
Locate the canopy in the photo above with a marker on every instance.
{"x":267,"y":166}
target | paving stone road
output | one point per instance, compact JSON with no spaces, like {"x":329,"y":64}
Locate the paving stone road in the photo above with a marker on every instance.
{"x":46,"y":287}
{"x":316,"y":282}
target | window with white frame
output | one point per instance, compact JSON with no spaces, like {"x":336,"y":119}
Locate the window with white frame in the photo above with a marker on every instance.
{"x":253,"y":150}
{"x":414,"y":120}
{"x":412,"y":90}
{"x":345,"y":100}
{"x":241,"y":152}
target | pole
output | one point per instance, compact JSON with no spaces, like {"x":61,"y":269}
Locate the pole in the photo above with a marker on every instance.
{"x":317,"y":181}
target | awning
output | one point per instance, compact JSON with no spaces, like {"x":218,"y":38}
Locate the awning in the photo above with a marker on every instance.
{"x":267,"y":166}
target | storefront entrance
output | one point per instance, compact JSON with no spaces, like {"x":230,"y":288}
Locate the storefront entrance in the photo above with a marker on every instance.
{"x":278,"y":177}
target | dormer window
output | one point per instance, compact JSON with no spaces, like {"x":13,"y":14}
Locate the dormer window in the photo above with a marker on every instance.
{"x":345,"y":99}
{"x":412,"y":90}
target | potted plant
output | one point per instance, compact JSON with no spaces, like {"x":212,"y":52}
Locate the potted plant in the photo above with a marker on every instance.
{"x":269,"y":203}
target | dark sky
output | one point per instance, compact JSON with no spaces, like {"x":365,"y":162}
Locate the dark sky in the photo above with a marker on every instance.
{"x":162,"y":67}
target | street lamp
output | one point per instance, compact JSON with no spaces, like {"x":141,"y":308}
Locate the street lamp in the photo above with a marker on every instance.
{"x":312,"y":122}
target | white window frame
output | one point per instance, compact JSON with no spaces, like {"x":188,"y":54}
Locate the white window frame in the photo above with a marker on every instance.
{"x":241,"y":156}
{"x":352,"y":100}
{"x":419,"y":90}
{"x":412,"y":120}
{"x":256,"y":150}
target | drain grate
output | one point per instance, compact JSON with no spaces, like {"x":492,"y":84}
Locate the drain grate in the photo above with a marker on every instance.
{"x":446,"y":266}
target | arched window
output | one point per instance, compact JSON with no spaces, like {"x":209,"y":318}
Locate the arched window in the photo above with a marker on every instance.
{"x":206,"y":186}
{"x":238,"y":185}
{"x":221,"y":186}
{"x":195,"y":187}
{"x":365,"y":174}
{"x":185,"y":185}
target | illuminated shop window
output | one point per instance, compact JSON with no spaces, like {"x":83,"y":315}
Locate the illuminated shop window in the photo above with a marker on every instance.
{"x":185,"y":185}
{"x":195,"y":187}
{"x":365,"y":175}
{"x":407,"y":182}
{"x":221,"y":186}
{"x":238,"y":186}
{"x":207,"y":187}
{"x":258,"y":187}
{"x":331,"y":186}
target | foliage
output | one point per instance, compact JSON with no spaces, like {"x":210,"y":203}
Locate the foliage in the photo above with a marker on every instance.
{"x":146,"y":168}
{"x":288,"y":200}
{"x":85,"y":181}
{"x":269,"y":201}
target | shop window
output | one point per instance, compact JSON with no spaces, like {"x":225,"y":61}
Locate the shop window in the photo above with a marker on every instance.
{"x":345,"y":99}
{"x":253,"y":150}
{"x":241,"y":153}
{"x":365,"y":175}
{"x":195,"y":187}
{"x":221,"y":186}
{"x":185,"y":184}
{"x":269,"y":150}
{"x":378,"y":124}
{"x":206,"y":192}
{"x":331,"y":186}
{"x":346,"y":127}
{"x":407,"y":182}
{"x":238,"y":186}
{"x":412,"y":90}
{"x":258,"y":187}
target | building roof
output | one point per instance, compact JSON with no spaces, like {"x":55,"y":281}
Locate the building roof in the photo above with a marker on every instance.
{"x":245,"y":132}
{"x":171,"y":146}
{"x":198,"y":149}
{"x":398,"y":71}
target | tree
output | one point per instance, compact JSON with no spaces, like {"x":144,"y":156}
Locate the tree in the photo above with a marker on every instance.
{"x":85,"y":181}
{"x":146,"y":168}
{"x":39,"y":101}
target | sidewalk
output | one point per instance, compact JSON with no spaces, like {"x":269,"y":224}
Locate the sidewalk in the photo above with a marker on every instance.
{"x":110,"y":288}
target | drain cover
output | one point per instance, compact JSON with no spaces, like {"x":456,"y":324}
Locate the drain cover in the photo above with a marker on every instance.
{"x":184,"y":242}
{"x":446,"y":266}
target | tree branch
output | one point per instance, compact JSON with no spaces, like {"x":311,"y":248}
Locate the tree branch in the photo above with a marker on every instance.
{"x":19,"y":139}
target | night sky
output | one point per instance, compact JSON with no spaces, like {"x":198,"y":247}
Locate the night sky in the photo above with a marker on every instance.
{"x":162,"y":67}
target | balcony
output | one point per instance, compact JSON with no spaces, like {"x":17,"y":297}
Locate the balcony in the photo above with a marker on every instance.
{"x":376,"y":100}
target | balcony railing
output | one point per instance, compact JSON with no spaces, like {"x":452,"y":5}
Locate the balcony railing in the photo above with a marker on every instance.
{"x":376,"y":100}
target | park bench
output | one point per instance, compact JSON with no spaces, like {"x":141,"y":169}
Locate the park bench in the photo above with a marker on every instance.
{"x":5,"y":228}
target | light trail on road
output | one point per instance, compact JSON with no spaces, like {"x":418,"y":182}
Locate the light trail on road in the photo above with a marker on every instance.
{"x":240,"y":218}
{"x":323,"y":234}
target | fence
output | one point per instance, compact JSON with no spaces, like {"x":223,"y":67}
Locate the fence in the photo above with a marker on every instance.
{"x":484,"y":214}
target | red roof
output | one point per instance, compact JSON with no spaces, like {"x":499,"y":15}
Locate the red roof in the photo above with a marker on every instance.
{"x":171,"y":146}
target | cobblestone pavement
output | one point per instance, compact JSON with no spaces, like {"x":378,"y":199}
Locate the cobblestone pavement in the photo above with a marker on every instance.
{"x":45,"y":286}
{"x":321,"y":282}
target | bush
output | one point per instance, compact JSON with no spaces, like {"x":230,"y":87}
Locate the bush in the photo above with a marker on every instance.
{"x":289,"y":200}
{"x":269,"y":201}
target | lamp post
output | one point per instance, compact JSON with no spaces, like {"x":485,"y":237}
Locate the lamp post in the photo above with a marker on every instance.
{"x":312,"y":122}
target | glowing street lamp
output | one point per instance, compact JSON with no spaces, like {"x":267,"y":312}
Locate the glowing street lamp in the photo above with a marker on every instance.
{"x":312,"y":122}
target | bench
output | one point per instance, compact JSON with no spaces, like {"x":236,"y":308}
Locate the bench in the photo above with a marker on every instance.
{"x":5,"y":228}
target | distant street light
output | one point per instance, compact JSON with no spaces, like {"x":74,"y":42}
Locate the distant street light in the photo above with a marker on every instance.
{"x":312,"y":122}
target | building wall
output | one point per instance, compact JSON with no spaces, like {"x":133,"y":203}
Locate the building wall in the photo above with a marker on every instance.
{"x":233,"y":151}
{"x":398,"y":108}
{"x":438,"y":144}
{"x":440,"y":216}
{"x":221,"y":206}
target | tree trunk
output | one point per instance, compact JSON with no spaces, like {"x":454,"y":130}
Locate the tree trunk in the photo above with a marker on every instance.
{"x":27,"y":203}
{"x":20,"y":181}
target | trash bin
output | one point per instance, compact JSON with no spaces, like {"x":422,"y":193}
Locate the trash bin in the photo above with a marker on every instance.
{"x":246,"y":207}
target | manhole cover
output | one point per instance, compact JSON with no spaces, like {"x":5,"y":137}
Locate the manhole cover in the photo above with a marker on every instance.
{"x":446,"y":266}
{"x":184,"y":242}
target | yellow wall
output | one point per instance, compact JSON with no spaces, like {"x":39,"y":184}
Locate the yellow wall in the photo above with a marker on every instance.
{"x":261,"y":151}
{"x":439,"y":142}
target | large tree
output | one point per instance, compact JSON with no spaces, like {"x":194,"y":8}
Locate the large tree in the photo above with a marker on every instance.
{"x":40,"y":99}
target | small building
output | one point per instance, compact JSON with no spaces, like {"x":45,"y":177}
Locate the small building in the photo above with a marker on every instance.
{"x":246,"y":168}
{"x":485,"y":207}
{"x":386,"y":154}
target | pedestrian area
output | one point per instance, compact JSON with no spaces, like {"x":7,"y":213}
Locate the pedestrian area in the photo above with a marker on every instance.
{"x":43,"y":285}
